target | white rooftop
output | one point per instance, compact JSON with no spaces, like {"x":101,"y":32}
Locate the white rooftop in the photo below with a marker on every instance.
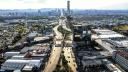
{"x":40,"y":38}
{"x":105,"y":33}
{"x":28,"y":67}
{"x":32,"y":62}
{"x":110,"y":36}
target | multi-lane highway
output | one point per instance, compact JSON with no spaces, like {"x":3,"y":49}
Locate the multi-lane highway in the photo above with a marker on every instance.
{"x":68,"y":52}
{"x":56,"y":51}
{"x":53,"y":60}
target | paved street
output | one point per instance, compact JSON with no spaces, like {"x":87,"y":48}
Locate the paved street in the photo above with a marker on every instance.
{"x":56,"y":51}
{"x":53,"y":60}
{"x":57,"y":33}
{"x":68,"y":53}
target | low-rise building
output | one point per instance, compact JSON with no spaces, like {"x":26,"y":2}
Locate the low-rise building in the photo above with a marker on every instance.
{"x":29,"y":59}
{"x":111,"y":66}
{"x":105,"y":34}
{"x":19,"y":64}
{"x":109,"y":40}
{"x":10,"y":54}
{"x":41,"y":38}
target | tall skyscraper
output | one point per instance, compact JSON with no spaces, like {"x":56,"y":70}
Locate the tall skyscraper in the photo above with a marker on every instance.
{"x":68,"y":7}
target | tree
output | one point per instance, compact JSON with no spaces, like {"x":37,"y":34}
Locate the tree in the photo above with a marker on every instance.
{"x":1,"y":19}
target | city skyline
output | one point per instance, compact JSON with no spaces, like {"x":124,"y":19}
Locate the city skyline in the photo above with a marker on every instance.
{"x":75,"y":4}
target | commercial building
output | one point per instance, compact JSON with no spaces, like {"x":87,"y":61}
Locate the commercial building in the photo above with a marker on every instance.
{"x":10,"y":54}
{"x":111,"y":66}
{"x":105,"y":34}
{"x":121,"y":57}
{"x":118,"y":43}
{"x":17,"y":64}
{"x":29,"y":59}
{"x":32,"y":35}
{"x":109,"y":40}
{"x":29,"y":68}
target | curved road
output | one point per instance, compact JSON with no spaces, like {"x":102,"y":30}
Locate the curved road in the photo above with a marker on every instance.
{"x":57,"y":33}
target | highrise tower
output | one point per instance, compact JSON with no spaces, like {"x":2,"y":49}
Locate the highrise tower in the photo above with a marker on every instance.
{"x":68,"y":7}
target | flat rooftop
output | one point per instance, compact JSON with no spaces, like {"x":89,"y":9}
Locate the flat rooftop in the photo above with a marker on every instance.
{"x":12,"y":64}
{"x":91,"y":62}
{"x":123,"y":53}
{"x":118,"y":43}
{"x":38,"y":48}
{"x":105,"y":33}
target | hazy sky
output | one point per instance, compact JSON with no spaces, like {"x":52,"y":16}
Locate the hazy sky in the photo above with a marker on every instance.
{"x":79,"y":4}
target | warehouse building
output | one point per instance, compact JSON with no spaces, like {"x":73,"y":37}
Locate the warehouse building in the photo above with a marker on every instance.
{"x":16,"y":64}
{"x":105,"y":34}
